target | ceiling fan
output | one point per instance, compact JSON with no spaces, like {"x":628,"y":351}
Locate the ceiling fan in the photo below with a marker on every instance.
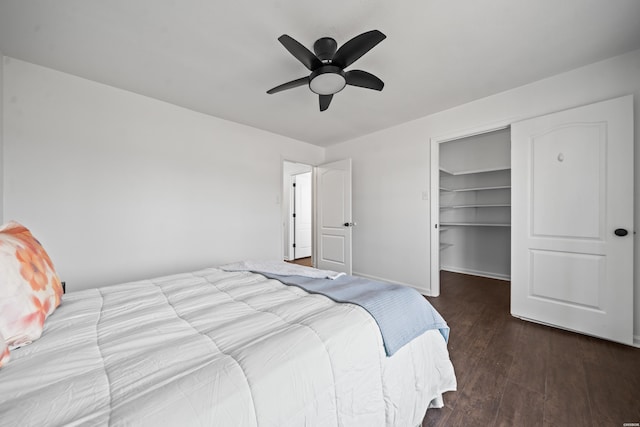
{"x":328,"y":63}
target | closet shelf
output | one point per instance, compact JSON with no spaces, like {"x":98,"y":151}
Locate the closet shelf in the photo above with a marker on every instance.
{"x":455,"y":190}
{"x":470,"y":172}
{"x":446,"y":172}
{"x":476,"y":206}
{"x":474,"y":224}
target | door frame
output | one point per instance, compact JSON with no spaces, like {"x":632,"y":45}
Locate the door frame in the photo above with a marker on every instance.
{"x":286,"y":224}
{"x":434,"y":288}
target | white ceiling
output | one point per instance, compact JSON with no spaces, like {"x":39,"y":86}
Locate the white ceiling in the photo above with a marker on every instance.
{"x":220,"y":57}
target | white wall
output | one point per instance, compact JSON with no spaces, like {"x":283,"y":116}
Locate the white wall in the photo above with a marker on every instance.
{"x":119,"y":187}
{"x":391,"y":167}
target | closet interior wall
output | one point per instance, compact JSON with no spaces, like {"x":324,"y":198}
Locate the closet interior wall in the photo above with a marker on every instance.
{"x":475,"y":205}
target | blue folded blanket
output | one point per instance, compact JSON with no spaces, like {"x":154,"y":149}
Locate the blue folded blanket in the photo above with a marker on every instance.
{"x":401,"y":312}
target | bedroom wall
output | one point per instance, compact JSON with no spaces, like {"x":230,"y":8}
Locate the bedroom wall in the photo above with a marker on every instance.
{"x":119,"y":187}
{"x":391,"y":167}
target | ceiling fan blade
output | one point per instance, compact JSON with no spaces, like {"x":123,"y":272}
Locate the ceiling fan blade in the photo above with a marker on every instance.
{"x":289,"y":85}
{"x":356,"y":47}
{"x":363,"y":79}
{"x":325,"y":100}
{"x":301,"y":53}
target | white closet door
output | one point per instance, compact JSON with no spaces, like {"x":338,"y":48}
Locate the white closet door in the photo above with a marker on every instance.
{"x":572,"y":201}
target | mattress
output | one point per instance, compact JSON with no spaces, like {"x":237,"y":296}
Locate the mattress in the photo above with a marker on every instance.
{"x":218,"y":348}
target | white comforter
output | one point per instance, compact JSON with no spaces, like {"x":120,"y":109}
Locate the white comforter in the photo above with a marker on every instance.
{"x":222,"y":349}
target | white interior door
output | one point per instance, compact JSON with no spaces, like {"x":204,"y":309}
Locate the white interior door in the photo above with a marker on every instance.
{"x":302,"y":220}
{"x":572,"y":203}
{"x":334,"y":222}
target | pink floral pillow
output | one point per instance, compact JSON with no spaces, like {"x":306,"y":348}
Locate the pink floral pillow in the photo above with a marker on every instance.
{"x":30,"y":289}
{"x":4,"y":351}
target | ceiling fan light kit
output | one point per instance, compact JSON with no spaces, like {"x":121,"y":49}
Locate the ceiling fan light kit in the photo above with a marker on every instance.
{"x":327,"y":80}
{"x":327,"y":65}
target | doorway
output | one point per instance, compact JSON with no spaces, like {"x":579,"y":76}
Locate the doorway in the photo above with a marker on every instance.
{"x":297,"y":212}
{"x":325,"y":240}
{"x":471,"y":205}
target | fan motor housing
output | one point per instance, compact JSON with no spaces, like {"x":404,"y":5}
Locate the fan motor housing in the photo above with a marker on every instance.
{"x":325,"y":48}
{"x":327,"y":80}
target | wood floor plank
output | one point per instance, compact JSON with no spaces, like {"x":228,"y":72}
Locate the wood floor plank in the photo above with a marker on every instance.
{"x":566,"y":397}
{"x":464,"y":366}
{"x":479,"y":399}
{"x":612,"y":395}
{"x":529,"y":366}
{"x":437,"y":417}
{"x":520,"y":407}
{"x":504,"y":338}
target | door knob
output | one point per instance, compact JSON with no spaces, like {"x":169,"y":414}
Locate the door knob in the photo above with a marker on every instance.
{"x":621,"y":232}
{"x":348,"y":224}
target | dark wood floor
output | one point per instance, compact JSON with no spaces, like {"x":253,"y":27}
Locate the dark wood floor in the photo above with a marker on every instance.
{"x":516,"y":373}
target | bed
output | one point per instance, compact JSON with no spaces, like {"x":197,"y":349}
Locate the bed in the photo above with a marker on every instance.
{"x":223,"y":348}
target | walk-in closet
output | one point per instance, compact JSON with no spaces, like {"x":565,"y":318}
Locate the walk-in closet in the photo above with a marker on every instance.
{"x":475,"y":204}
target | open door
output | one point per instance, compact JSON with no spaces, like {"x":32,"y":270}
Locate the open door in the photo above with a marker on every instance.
{"x":572,"y":219}
{"x":333,"y":222}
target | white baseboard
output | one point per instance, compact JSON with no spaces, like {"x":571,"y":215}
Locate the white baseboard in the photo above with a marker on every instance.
{"x":636,"y":341}
{"x":476,"y":273}
{"x":382,"y":279}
